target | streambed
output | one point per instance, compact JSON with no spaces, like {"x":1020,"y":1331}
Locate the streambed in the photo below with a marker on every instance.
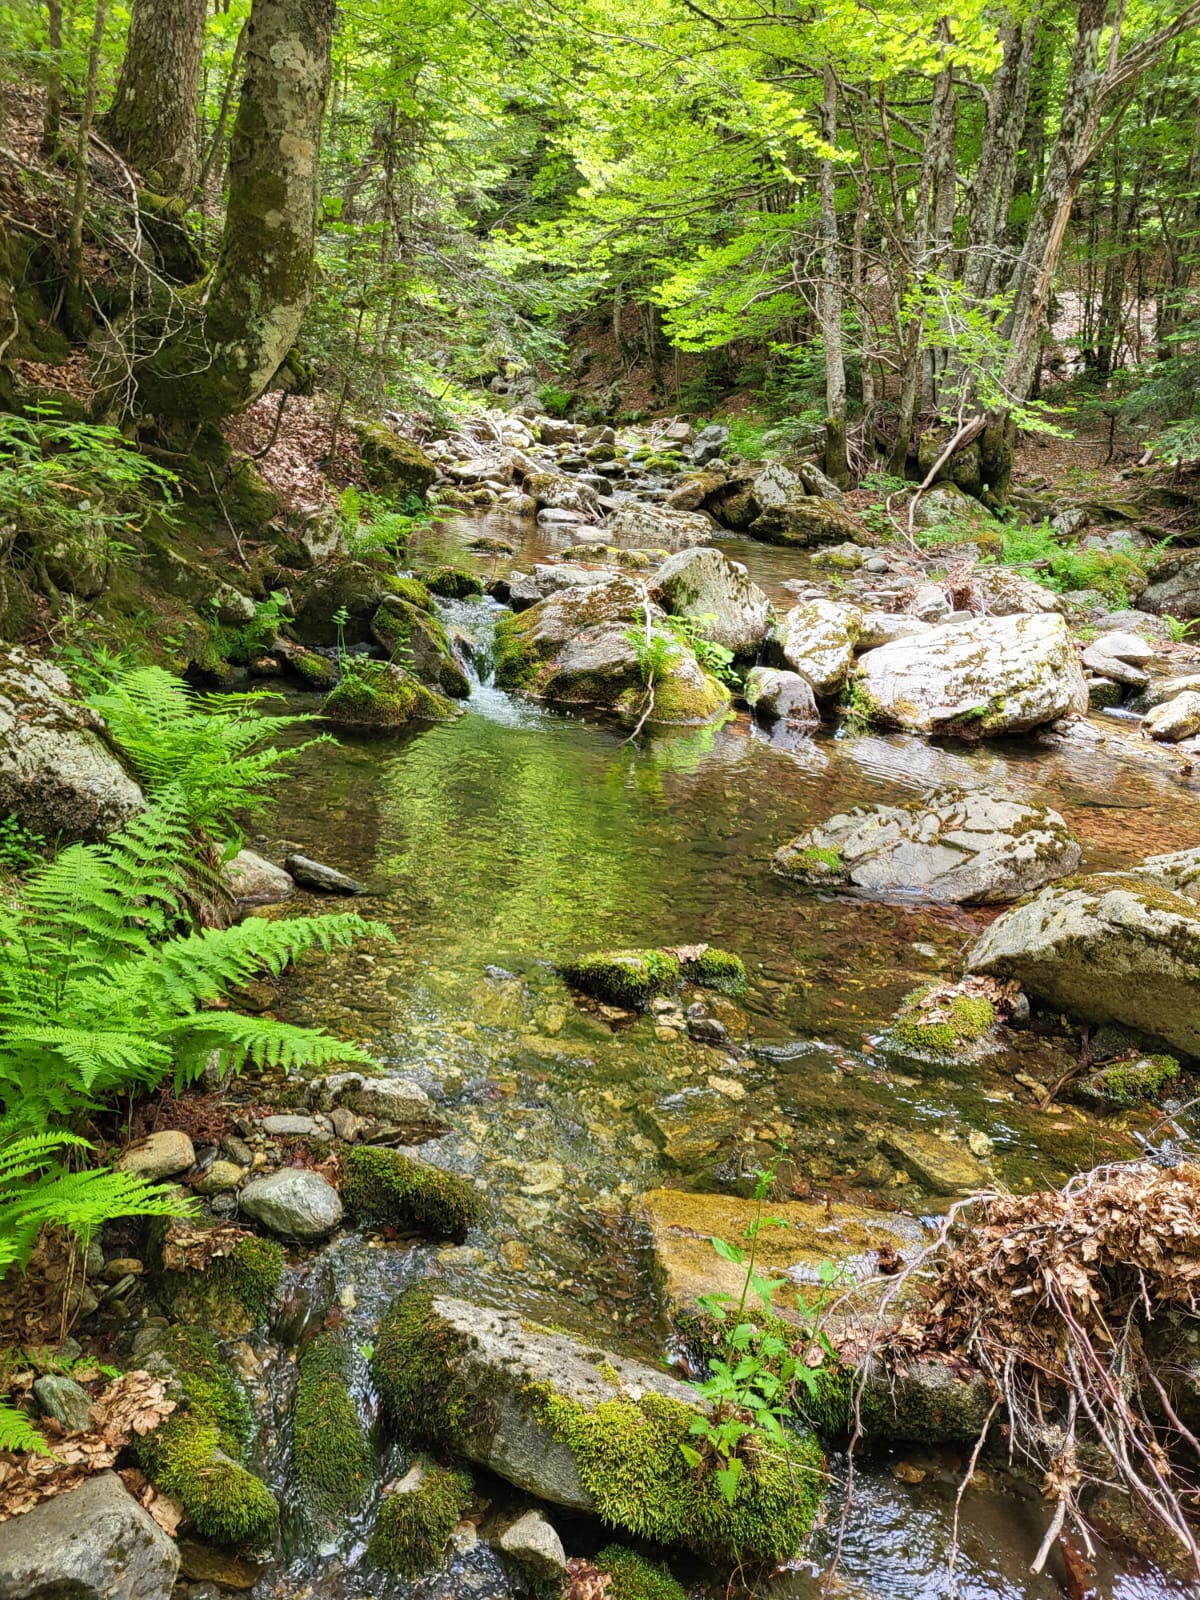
{"x":516,"y":837}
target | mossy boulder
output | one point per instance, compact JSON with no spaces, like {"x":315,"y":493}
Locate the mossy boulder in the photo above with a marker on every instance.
{"x":387,"y":1186}
{"x":635,"y":1577}
{"x":395,"y":465}
{"x":377,"y":694}
{"x":333,"y":1459}
{"x":415,"y":639}
{"x":1124,"y":1084}
{"x":232,"y":1289}
{"x":198,"y":1454}
{"x":942,"y":1023}
{"x":585,"y":1429}
{"x":452,"y":583}
{"x":630,"y":978}
{"x":806,"y":521}
{"x":418,"y":1517}
{"x":350,"y":587}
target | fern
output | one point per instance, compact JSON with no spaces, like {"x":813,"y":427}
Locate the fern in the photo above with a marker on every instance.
{"x":100,"y":993}
{"x":18,"y":1433}
{"x":207,"y":747}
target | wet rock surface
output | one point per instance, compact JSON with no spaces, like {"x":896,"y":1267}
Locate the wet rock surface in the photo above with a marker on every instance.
{"x":92,"y":1543}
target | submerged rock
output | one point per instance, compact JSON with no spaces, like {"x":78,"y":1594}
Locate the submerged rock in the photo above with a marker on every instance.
{"x":59,"y":774}
{"x":966,"y":847}
{"x":705,"y":585}
{"x":989,"y":676}
{"x":632,"y":978}
{"x":1114,"y":947}
{"x":92,"y":1543}
{"x":582,"y":1428}
{"x":325,"y":880}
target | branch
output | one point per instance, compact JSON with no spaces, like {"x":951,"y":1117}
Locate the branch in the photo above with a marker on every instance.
{"x":1140,"y":57}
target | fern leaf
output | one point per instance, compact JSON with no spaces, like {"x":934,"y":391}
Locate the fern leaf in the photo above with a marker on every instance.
{"x":18,"y":1433}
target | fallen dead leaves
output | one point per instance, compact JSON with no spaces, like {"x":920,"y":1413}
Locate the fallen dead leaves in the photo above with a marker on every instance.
{"x":127,"y":1407}
{"x":585,"y":1581}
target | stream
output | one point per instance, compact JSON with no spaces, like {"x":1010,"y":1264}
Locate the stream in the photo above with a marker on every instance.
{"x":515,"y":837}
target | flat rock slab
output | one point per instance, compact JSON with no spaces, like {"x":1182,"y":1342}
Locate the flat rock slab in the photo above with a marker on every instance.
{"x":92,"y":1543}
{"x":955,"y":846}
{"x":1114,"y":947}
{"x":988,"y":676}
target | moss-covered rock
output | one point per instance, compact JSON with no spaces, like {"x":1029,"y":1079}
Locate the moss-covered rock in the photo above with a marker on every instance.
{"x":515,"y":657}
{"x":352,"y":588}
{"x":937,"y":1021}
{"x":309,"y":668}
{"x":636,"y":1578}
{"x":377,"y":694}
{"x":198,"y":1454}
{"x":1142,"y":1081}
{"x":395,"y":465}
{"x":418,"y":1517}
{"x":452,"y":583}
{"x":416,"y":640}
{"x":332,"y":1455}
{"x":387,"y":1186}
{"x":633,"y":978}
{"x":714,"y":969}
{"x":232,"y":1292}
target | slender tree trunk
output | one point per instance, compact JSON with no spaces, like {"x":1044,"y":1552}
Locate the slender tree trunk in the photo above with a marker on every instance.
{"x":224,"y":358}
{"x":830,"y":298}
{"x":152,"y":119}
{"x":992,"y":189}
{"x":215,"y":156}
{"x":52,"y":121}
{"x":86,"y":118}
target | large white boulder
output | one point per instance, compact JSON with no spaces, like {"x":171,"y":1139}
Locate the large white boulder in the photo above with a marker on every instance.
{"x":816,"y":639}
{"x":635,"y":526}
{"x":992,"y":675}
{"x":705,"y":585}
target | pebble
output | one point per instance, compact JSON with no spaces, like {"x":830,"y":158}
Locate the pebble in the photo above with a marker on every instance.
{"x":123,"y":1267}
{"x":221,"y":1178}
{"x":298,"y":1127}
{"x":237,"y":1150}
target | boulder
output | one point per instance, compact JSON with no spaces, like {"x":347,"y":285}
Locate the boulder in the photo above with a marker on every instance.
{"x":1175,"y":719}
{"x":534,"y":1545}
{"x":1114,"y":947}
{"x":92,"y":1543}
{"x":555,"y":491}
{"x":638,"y":525}
{"x":254,"y":880}
{"x":991,"y":675}
{"x":710,"y":443}
{"x":1113,"y":667}
{"x":804,"y":522}
{"x":554,"y":430}
{"x":294,"y":1203}
{"x":416,"y":639}
{"x":394,"y":464}
{"x":316,"y":875}
{"x":575,"y":1425}
{"x":694,"y":491}
{"x":1120,"y":646}
{"x":816,"y":639}
{"x":881,"y":627}
{"x":963,"y":847}
{"x":774,"y":695}
{"x":705,"y":585}
{"x":379,"y":694}
{"x":940,"y":1166}
{"x":349,"y":586}
{"x":1159,"y":689}
{"x":777,"y":485}
{"x":1004,"y":593}
{"x":1180,"y":871}
{"x":158,"y":1156}
{"x":946,"y":506}
{"x":312,"y":536}
{"x":59,"y":773}
{"x":1173,"y":589}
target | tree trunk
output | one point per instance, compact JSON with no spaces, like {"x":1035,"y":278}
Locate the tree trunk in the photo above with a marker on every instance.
{"x":226,"y":356}
{"x":212,"y":165}
{"x":52,"y":121}
{"x":830,"y":299}
{"x":79,"y":198}
{"x":152,"y":119}
{"x":991,"y":191}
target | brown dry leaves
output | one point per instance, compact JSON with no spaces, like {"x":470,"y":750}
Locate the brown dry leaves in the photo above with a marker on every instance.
{"x":129,"y":1406}
{"x":585,"y":1581}
{"x":188,"y":1248}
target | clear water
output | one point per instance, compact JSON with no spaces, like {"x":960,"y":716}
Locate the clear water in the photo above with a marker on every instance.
{"x":514,"y":837}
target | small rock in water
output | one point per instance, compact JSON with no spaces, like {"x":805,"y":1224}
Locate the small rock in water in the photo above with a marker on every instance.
{"x":907,"y":1473}
{"x":326,"y":880}
{"x":294,"y":1203}
{"x":534,"y":1545}
{"x":254,"y":879}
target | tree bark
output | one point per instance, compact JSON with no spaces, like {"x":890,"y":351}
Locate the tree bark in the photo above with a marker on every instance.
{"x":152,"y":119}
{"x":226,"y":355}
{"x":830,"y":299}
{"x":52,"y":121}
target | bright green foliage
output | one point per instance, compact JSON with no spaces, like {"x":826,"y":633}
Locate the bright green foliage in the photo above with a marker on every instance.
{"x":387,"y":1186}
{"x":415,"y":1524}
{"x":624,"y":977}
{"x":636,"y":1578}
{"x":210,"y":748}
{"x":19,"y":848}
{"x":99,"y":992}
{"x":714,"y":658}
{"x":334,"y":1461}
{"x":1043,"y":553}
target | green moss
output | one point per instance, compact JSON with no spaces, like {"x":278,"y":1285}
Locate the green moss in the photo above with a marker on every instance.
{"x":453,"y":583}
{"x":1130,"y":1083}
{"x":923,"y":1027}
{"x":417,"y":1369}
{"x":378,"y":694}
{"x":628,"y":978}
{"x":635,"y":1578}
{"x":395,"y":464}
{"x":630,"y":1460}
{"x":250,"y":1274}
{"x":387,"y":1186}
{"x":812,"y":864}
{"x":515,"y":660}
{"x":716,"y":969}
{"x":414,"y":591}
{"x":415,"y":1525}
{"x":664,"y":461}
{"x":677,"y":698}
{"x":332,"y":1455}
{"x":197,"y":1454}
{"x":418,"y":642}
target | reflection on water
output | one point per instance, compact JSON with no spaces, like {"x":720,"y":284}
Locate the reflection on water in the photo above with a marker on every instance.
{"x":506,"y":841}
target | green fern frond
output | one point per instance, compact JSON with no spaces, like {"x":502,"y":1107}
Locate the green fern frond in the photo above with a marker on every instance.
{"x":18,"y":1433}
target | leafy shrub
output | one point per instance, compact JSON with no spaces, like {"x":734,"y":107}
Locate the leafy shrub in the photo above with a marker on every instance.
{"x":554,"y":402}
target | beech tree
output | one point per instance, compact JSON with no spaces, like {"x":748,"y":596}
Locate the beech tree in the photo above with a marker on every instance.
{"x":152,"y":119}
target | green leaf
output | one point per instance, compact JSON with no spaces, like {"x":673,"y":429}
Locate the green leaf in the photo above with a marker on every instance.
{"x":728,"y":1252}
{"x":728,"y":1479}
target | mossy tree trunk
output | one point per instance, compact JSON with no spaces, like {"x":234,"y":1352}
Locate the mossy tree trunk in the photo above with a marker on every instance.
{"x":152,"y":119}
{"x":226,"y":355}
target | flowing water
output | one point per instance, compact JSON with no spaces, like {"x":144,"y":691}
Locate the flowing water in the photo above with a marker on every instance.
{"x":515,"y":837}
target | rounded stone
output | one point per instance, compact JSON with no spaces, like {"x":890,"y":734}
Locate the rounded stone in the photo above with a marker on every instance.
{"x":293,"y":1203}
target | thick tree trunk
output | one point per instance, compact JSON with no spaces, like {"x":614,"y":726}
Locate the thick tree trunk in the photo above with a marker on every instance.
{"x":225,"y":357}
{"x":992,"y":189}
{"x":152,"y":119}
{"x":830,"y":299}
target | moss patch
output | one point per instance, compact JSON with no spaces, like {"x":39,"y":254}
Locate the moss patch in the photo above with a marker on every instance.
{"x":931,"y":1022}
{"x":716,"y":969}
{"x":452,"y":583}
{"x":630,"y":978}
{"x":515,"y":660}
{"x":629,"y":1457}
{"x":333,"y":1458}
{"x":416,"y":1367}
{"x":393,"y":463}
{"x":379,"y":695}
{"x":387,"y":1186}
{"x":636,"y":1578}
{"x":1130,"y":1083}
{"x":415,"y":1524}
